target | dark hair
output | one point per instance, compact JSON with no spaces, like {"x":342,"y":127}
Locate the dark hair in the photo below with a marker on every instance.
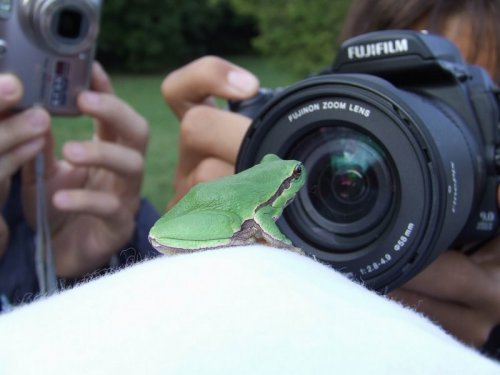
{"x":484,"y":15}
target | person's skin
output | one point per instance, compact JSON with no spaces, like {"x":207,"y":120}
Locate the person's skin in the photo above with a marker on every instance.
{"x":459,"y":292}
{"x":94,"y":191}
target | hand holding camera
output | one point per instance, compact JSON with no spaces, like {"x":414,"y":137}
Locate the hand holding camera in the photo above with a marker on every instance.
{"x":22,"y":136}
{"x":92,"y":201}
{"x":94,"y":191}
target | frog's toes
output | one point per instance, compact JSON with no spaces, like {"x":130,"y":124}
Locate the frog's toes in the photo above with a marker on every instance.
{"x":248,"y":233}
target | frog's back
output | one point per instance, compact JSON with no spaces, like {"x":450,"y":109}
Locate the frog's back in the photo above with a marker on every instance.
{"x":240,"y":193}
{"x":224,"y":194}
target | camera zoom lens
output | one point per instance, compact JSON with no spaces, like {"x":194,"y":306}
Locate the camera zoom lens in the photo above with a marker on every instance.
{"x":349,"y":179}
{"x":65,"y":27}
{"x":394,"y":177}
{"x":69,"y":24}
{"x":351,"y":185}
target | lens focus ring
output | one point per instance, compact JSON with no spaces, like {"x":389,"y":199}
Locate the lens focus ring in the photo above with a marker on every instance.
{"x":66,"y":27}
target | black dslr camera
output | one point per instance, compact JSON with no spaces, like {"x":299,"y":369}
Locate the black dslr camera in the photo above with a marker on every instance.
{"x":401,"y":141}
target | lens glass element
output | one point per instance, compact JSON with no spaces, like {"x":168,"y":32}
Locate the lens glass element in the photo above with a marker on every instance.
{"x":345,"y":181}
{"x":351,"y":185}
{"x":69,"y":24}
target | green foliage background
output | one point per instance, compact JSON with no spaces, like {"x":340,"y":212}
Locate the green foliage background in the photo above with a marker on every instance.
{"x":157,"y":35}
{"x":142,"y":40}
{"x":303,"y":34}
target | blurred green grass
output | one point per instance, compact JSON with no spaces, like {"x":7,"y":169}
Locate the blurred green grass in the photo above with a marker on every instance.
{"x":142,"y":92}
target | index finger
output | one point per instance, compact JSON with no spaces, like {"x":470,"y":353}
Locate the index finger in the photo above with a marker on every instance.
{"x":196,"y":82}
{"x":117,"y":121}
{"x":101,"y":83}
{"x":100,"y":80}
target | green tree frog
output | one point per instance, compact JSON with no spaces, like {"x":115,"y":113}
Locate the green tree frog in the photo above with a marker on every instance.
{"x":234,"y":210}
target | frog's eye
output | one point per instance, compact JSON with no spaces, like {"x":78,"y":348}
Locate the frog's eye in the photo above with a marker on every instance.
{"x":297,"y":171}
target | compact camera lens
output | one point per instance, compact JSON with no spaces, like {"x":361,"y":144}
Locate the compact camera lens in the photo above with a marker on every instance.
{"x":69,"y":24}
{"x":64,"y":27}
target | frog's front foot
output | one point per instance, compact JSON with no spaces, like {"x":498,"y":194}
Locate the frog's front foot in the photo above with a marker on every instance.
{"x":274,"y":242}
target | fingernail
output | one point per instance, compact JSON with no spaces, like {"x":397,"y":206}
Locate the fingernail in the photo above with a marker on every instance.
{"x":9,"y":88}
{"x":38,"y":119}
{"x":242,"y":81}
{"x":61,"y":199}
{"x":91,"y":98}
{"x":75,"y":150}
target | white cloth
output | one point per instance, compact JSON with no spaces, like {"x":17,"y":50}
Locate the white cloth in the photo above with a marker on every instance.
{"x":246,"y":310}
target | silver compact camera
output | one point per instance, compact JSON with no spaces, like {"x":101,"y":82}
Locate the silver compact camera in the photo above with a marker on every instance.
{"x":50,"y":46}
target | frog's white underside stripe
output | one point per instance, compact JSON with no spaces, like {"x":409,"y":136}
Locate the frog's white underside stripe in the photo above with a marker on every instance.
{"x":248,"y":235}
{"x":176,"y":250}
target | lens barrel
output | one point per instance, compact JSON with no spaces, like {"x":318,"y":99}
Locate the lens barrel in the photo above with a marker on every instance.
{"x":65,"y":27}
{"x":391,"y":174}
